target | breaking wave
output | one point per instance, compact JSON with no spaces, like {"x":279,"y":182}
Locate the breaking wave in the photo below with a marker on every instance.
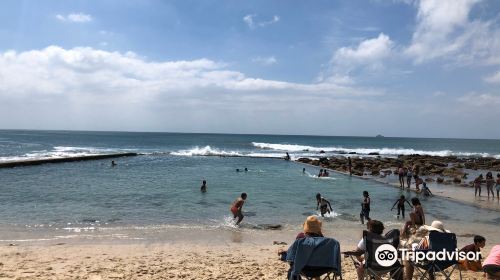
{"x":206,"y":151}
{"x":365,"y":151}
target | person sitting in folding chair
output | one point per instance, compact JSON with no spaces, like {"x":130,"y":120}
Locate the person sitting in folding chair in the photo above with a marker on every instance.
{"x":312,"y":255}
{"x":366,"y":263}
{"x":438,"y":240}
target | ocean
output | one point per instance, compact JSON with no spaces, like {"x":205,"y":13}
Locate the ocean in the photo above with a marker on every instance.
{"x":159,"y":189}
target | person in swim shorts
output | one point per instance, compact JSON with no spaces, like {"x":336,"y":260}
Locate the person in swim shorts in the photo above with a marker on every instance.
{"x":323,"y":204}
{"x":237,"y":206}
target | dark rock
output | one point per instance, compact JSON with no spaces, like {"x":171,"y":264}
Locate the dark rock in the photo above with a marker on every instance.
{"x":440,"y":180}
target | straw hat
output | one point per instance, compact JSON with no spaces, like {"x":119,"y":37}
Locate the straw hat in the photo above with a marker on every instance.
{"x":436,"y":226}
{"x":312,"y":225}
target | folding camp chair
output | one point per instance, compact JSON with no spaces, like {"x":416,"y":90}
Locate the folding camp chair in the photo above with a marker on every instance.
{"x":372,"y":269}
{"x":438,"y":241}
{"x":315,"y":257}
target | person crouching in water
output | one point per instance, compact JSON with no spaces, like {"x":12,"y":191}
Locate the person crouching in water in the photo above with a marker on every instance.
{"x":237,"y":206}
{"x":323,"y":204}
{"x":365,"y":208}
{"x":426,"y":191}
{"x":401,"y":205}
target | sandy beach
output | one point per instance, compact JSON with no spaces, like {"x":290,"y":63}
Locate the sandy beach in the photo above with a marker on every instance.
{"x":152,"y":261}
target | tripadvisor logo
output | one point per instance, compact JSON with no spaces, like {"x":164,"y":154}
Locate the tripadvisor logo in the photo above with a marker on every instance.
{"x":386,"y":255}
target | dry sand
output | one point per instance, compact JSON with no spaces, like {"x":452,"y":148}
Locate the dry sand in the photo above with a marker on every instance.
{"x":151,"y":261}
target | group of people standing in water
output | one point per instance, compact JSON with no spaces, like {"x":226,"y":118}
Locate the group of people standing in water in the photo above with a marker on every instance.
{"x":489,"y":182}
{"x":405,"y":175}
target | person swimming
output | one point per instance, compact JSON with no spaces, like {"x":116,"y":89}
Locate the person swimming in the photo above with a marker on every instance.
{"x":237,"y":206}
{"x":320,"y":173}
{"x":238,"y":170}
{"x":113,"y":163}
{"x":246,"y":169}
{"x":323,"y":205}
{"x":304,"y":170}
{"x":365,"y":208}
{"x":401,"y":205}
{"x":203,"y":187}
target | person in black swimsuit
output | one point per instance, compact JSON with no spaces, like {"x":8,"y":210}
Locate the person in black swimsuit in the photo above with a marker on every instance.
{"x":365,"y":208}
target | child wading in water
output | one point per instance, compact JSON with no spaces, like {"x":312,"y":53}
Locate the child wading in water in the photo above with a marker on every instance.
{"x":365,"y":208}
{"x":323,"y":205}
{"x":237,"y":206}
{"x":401,"y":205}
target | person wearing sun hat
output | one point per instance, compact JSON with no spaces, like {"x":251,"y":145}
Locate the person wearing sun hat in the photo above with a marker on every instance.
{"x":312,"y":228}
{"x":435,"y":226}
{"x":424,"y":231}
{"x":311,"y":248}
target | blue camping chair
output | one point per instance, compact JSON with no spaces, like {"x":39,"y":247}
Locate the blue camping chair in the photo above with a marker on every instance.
{"x":314,"y":257}
{"x":438,"y":241}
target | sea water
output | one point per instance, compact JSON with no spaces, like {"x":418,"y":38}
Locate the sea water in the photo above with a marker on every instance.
{"x":159,"y":189}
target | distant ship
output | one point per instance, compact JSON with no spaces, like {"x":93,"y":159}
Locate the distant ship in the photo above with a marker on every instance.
{"x":379,"y":136}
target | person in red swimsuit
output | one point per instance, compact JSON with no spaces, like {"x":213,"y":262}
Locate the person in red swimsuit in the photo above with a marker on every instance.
{"x":237,"y":206}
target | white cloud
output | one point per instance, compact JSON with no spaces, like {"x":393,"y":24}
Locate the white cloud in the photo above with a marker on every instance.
{"x":368,"y":55}
{"x":252,"y":23}
{"x":270,"y":60}
{"x":86,"y":88}
{"x":494,"y":78}
{"x":368,"y":51}
{"x":480,"y":100}
{"x":85,"y":71}
{"x":444,"y":30}
{"x":75,"y":17}
{"x":439,"y":93}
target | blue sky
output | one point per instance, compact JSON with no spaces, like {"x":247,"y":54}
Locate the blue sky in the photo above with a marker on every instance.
{"x":422,"y":68}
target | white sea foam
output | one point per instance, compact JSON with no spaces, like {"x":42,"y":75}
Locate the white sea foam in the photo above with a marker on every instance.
{"x":61,"y":152}
{"x":364,"y":151}
{"x":332,"y":214}
{"x":205,"y":151}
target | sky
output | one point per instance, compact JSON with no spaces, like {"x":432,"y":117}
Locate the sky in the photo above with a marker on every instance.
{"x":409,"y":68}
